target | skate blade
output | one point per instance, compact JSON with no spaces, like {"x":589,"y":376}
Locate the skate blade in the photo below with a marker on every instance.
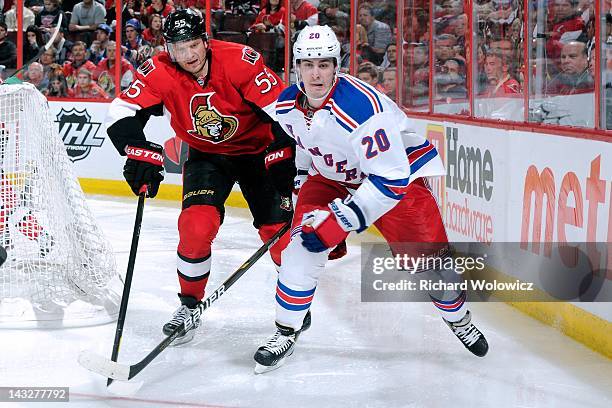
{"x":261,"y":369}
{"x":179,"y":341}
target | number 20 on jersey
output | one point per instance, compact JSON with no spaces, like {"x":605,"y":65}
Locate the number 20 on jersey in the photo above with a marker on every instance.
{"x":378,"y":143}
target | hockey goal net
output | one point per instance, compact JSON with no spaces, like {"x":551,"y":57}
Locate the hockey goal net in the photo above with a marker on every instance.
{"x":60,"y":269}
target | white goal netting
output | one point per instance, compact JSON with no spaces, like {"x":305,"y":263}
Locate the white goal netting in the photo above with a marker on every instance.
{"x":60,"y":269}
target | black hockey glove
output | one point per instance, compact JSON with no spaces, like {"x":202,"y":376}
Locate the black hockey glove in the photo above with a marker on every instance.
{"x":280,"y":164}
{"x":144,"y":166}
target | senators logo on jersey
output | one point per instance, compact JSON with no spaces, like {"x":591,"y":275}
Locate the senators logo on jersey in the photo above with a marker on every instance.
{"x":208,"y":123}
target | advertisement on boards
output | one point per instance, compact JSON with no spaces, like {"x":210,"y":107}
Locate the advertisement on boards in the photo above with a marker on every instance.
{"x":471,"y":194}
{"x":81,"y":125}
{"x":562,"y":193}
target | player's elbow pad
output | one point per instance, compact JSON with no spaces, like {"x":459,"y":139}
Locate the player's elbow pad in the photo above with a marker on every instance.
{"x":125,"y":132}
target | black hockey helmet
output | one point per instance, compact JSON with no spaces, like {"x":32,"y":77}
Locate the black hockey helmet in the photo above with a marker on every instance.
{"x":183,"y":25}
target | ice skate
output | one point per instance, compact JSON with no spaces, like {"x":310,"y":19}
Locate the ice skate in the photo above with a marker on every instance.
{"x":188,"y":303}
{"x":273,"y":354}
{"x":278,"y":347}
{"x":469,"y":335}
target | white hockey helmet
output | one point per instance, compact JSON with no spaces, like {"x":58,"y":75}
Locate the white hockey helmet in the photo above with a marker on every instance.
{"x":316,"y":42}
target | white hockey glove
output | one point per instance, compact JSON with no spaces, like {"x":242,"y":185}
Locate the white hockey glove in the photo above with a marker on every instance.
{"x":323,"y":229}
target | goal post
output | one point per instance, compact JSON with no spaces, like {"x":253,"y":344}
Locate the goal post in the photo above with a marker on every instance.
{"x":60,"y":269}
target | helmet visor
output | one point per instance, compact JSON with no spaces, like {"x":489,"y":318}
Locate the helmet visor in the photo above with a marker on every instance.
{"x":188,"y":50}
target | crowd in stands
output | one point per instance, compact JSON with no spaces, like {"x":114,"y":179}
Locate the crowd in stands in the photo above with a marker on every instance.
{"x":561,"y":45}
{"x":81,"y":63}
{"x":562,"y":40}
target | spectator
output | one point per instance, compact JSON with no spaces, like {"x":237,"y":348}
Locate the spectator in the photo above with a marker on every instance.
{"x":345,"y":48}
{"x":134,"y":41}
{"x":416,"y":27}
{"x":379,"y":35}
{"x":444,"y":49}
{"x":516,"y":33}
{"x":389,"y":82}
{"x":481,"y":76}
{"x":503,"y":46}
{"x":369,"y":75}
{"x":160,"y":7}
{"x":78,"y":61}
{"x":8,"y":51}
{"x":567,"y":26}
{"x":87,"y":88}
{"x":58,"y":88}
{"x":154,"y":34}
{"x":87,"y":15}
{"x":127,"y":11}
{"x":10,"y":18}
{"x":383,"y":10}
{"x":449,"y":9}
{"x":367,"y":64}
{"x":47,"y":18}
{"x":33,"y":42}
{"x":483,"y":8}
{"x":97,"y":51}
{"x":390,"y":58}
{"x":418,"y":54}
{"x":458,"y":27}
{"x":35,"y":5}
{"x":445,"y":15}
{"x":588,"y":35}
{"x":418,"y":70}
{"x":36,"y":76}
{"x":302,"y":14}
{"x":47,"y":59}
{"x":63,"y":46}
{"x":504,"y":12}
{"x":55,"y":70}
{"x":334,"y":12}
{"x":574,"y":76}
{"x":270,"y":16}
{"x":104,"y":74}
{"x":451,"y":81}
{"x":500,"y":82}
{"x":217,"y":6}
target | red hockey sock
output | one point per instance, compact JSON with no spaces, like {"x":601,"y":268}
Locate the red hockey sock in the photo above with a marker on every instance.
{"x":198,"y":226}
{"x":266,"y":232}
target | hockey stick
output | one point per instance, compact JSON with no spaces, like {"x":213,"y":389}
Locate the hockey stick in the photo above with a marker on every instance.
{"x":3,"y":255}
{"x":128,"y":278}
{"x":13,"y":78}
{"x":117,"y":371}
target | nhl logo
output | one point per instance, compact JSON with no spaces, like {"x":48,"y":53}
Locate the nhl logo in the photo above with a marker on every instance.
{"x":78,"y":132}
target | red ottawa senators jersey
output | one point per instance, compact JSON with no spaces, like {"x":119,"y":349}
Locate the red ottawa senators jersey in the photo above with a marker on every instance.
{"x":216,"y":114}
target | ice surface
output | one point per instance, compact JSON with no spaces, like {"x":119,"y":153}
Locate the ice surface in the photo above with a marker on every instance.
{"x":355,"y":354}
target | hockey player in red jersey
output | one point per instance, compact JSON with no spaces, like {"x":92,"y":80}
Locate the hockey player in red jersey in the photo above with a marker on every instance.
{"x":217,"y":96}
{"x":359,"y":163}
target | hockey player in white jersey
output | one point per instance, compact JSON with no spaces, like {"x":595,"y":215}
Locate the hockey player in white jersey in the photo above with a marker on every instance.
{"x":359,"y":164}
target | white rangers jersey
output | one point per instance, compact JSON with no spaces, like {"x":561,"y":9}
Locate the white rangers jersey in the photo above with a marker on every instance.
{"x":361,"y":139}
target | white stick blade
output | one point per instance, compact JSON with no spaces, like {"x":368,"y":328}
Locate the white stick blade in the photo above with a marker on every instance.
{"x":57,"y":29}
{"x":103,"y":366}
